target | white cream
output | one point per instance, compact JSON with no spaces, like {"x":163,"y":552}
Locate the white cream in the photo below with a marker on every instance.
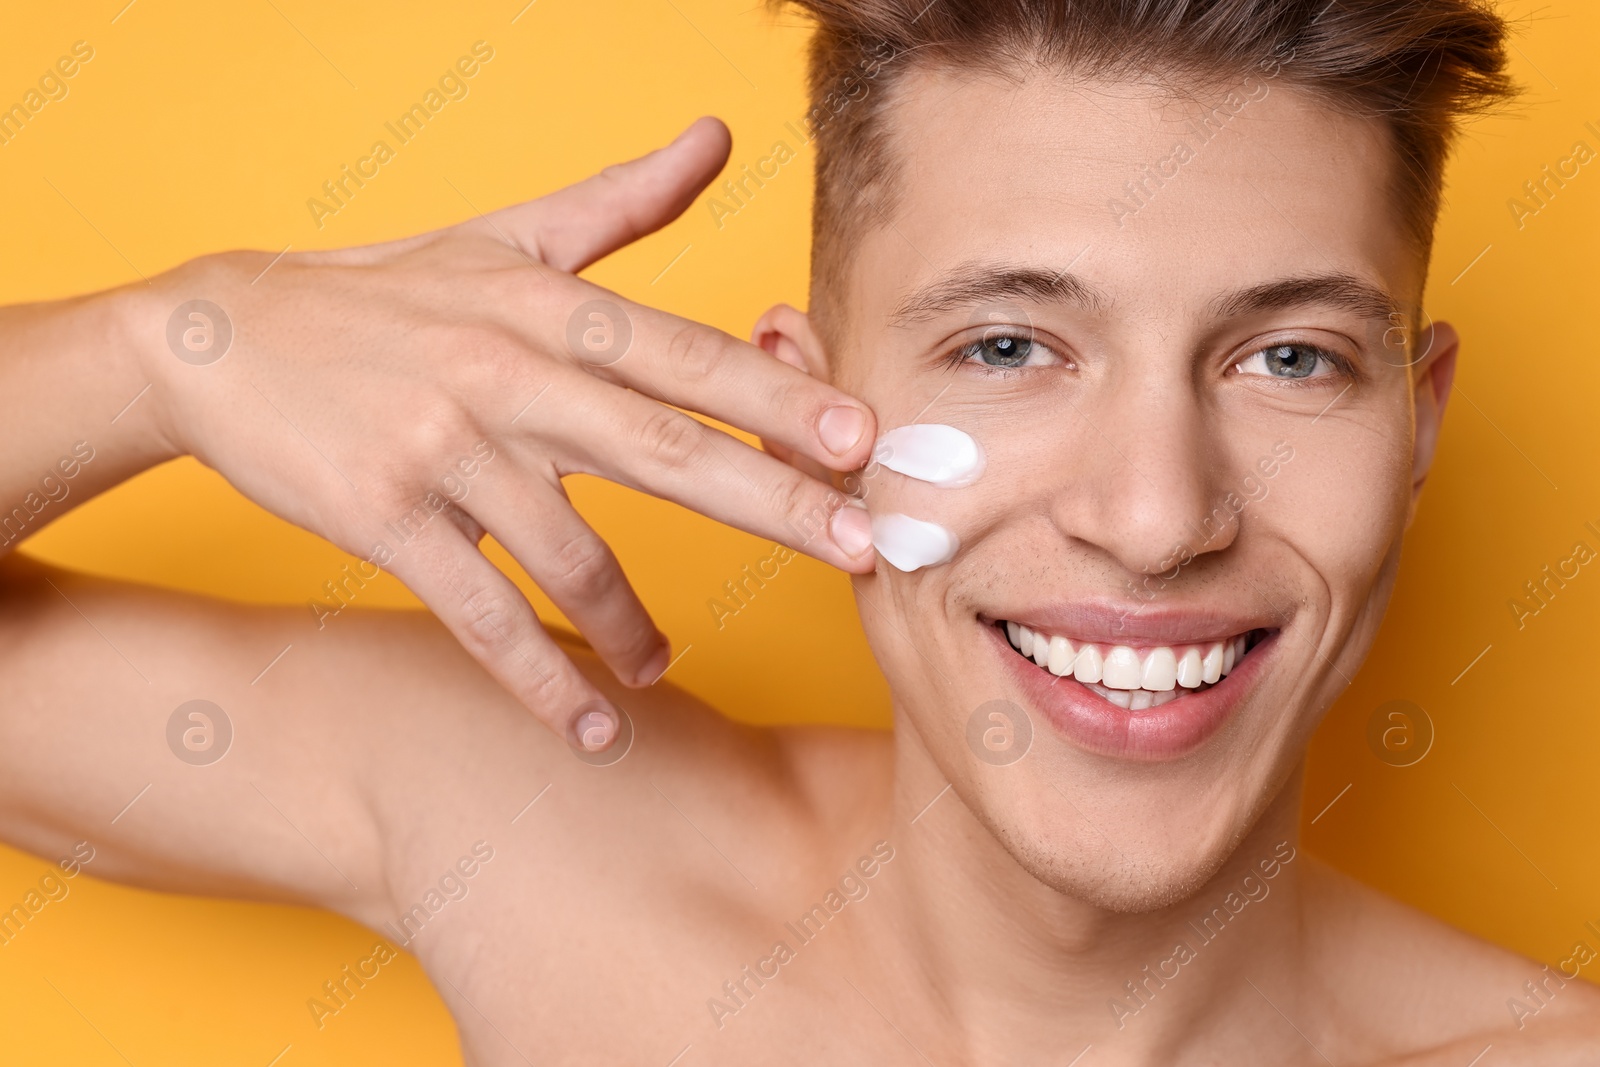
{"x":909,"y":543}
{"x":930,"y":452}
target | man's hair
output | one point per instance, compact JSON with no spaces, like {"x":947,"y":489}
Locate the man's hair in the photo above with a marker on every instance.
{"x":1417,"y":66}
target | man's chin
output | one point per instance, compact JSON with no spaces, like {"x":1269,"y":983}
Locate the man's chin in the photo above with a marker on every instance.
{"x":1114,"y":881}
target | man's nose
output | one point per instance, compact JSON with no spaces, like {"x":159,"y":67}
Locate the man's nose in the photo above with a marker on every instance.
{"x":1148,"y":474}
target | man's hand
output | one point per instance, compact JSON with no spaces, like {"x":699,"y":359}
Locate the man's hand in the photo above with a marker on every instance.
{"x":357,"y":382}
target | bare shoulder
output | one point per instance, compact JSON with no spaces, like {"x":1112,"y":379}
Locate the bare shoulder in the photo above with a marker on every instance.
{"x":682,"y":850}
{"x":821,"y":778}
{"x":1413,"y":991}
{"x":689,"y":803}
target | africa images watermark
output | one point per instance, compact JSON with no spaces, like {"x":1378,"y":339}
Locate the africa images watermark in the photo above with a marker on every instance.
{"x":1540,"y":591}
{"x":340,"y":990}
{"x":452,"y":885}
{"x":54,"y":487}
{"x":453,"y":488}
{"x":51,"y":888}
{"x":1252,"y":490}
{"x":1142,"y":990}
{"x":50,"y":87}
{"x":742,"y":589}
{"x":338,"y":191}
{"x":1538,"y":993}
{"x":853,"y":885}
{"x":1538,"y":193}
{"x":199,"y":732}
{"x":814,"y":523}
{"x":737,"y":193}
{"x":1140,"y":191}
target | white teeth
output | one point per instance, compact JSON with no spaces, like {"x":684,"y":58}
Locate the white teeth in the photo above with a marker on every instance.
{"x":1125,"y":676}
{"x":1089,"y":666}
{"x":1160,"y":672}
{"x":1062,"y":653}
{"x":1190,"y":671}
{"x":1121,"y":670}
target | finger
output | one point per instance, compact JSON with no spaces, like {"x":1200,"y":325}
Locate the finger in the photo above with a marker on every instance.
{"x":578,"y":571}
{"x":700,"y":368}
{"x":575,"y":226}
{"x":498,"y":628}
{"x":635,"y":441}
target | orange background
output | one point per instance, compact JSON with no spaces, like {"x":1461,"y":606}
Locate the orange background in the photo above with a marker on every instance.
{"x":201,"y":127}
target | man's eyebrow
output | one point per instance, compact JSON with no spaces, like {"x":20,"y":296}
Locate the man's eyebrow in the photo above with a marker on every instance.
{"x":974,"y":284}
{"x":1343,"y":291}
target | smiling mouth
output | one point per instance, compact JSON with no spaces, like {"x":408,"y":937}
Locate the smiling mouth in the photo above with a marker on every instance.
{"x":1134,"y":678}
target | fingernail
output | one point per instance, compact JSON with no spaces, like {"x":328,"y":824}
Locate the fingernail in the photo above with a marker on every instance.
{"x":840,"y":428}
{"x":595,"y":729}
{"x":851,"y":528}
{"x":655,"y":667}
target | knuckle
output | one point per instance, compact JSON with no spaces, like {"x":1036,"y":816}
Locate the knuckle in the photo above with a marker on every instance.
{"x":695,"y":352}
{"x":801,"y":507}
{"x":553,"y":688}
{"x":671,"y":438}
{"x":585,"y":566}
{"x":495,"y":630}
{"x":493,"y":627}
{"x":639,"y":642}
{"x":485,"y":364}
{"x":436,"y":429}
{"x":488,"y":358}
{"x":800,"y":406}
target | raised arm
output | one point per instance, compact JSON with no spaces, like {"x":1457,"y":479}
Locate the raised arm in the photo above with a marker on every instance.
{"x":131,"y":722}
{"x":404,"y":399}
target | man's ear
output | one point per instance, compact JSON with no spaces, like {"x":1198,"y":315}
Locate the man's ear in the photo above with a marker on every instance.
{"x":786,"y":334}
{"x":1432,"y":377}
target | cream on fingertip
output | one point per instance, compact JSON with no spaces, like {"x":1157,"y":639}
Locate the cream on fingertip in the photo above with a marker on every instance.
{"x":909,"y":544}
{"x":931,"y":452}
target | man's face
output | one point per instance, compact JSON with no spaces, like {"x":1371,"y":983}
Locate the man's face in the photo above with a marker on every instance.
{"x":1183,"y":448}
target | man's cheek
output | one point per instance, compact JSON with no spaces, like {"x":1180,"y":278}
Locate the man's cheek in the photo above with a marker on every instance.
{"x":1340,"y":510}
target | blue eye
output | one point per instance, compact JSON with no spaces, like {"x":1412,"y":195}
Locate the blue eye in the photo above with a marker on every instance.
{"x":1002,"y":351}
{"x":1290,"y":361}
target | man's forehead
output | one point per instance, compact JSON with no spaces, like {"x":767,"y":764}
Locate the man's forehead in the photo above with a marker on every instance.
{"x":999,"y":183}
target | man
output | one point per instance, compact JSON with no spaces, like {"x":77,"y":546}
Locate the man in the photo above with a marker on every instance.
{"x":1162,"y":263}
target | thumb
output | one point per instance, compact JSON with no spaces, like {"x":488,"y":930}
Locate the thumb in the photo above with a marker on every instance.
{"x":575,"y":226}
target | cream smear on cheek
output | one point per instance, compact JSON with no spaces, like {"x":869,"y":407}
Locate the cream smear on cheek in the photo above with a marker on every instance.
{"x":939,"y":455}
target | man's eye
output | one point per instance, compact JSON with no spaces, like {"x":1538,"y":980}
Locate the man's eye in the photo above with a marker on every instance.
{"x":1003,"y":351}
{"x":1289,"y":361}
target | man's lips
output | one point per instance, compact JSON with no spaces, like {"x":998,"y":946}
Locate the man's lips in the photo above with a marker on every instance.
{"x":1167,"y":720}
{"x":1134,"y":624}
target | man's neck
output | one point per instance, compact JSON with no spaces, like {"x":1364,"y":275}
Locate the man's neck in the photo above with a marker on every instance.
{"x":992,"y":959}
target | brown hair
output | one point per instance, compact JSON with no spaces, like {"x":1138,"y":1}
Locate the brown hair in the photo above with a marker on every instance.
{"x":1419,"y":66}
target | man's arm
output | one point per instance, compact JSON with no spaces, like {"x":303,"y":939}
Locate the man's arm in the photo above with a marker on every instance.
{"x":346,"y":767}
{"x":94,"y":672}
